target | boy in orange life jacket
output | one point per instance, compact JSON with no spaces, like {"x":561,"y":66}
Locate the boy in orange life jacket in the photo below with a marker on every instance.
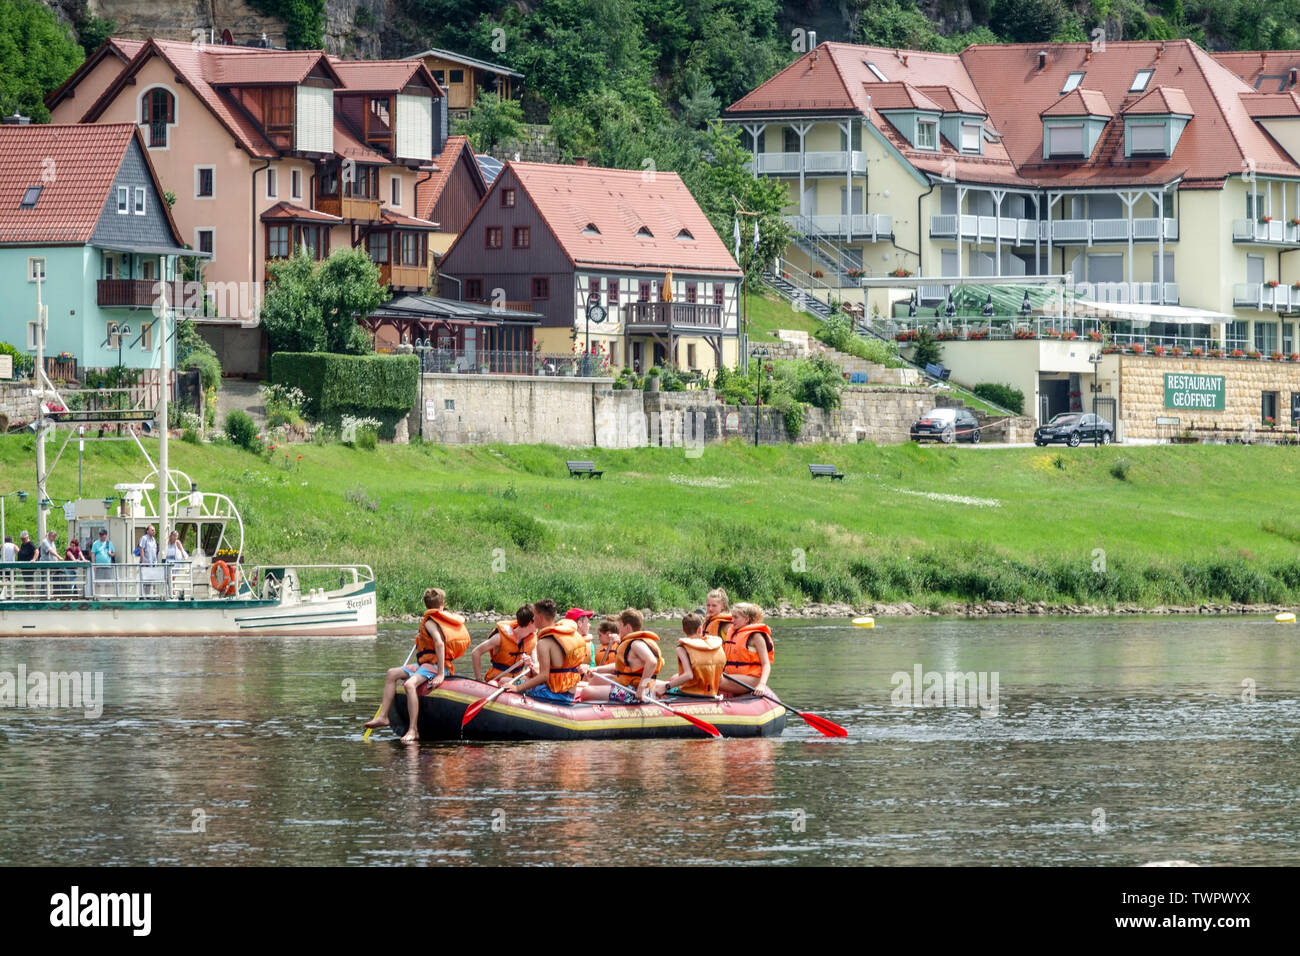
{"x":700,"y":661}
{"x":561,"y":655}
{"x":441,"y":639}
{"x":508,"y":643}
{"x":637,"y":660}
{"x":716,"y":613}
{"x":749,"y":650}
{"x":607,"y":632}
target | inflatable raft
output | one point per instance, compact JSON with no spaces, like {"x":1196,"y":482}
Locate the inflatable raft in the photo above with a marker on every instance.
{"x":516,"y":717}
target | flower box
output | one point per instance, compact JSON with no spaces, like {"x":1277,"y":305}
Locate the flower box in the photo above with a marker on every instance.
{"x":856,"y":273}
{"x":1197,"y":353}
{"x":1158,"y":350}
{"x":1272,"y":283}
{"x":818,"y":274}
{"x":1266,"y":219}
{"x":1277,"y":356}
{"x":1176,"y":352}
{"x":977,"y":335}
{"x":1025,"y":334}
{"x":1295,"y":356}
{"x":1236,"y":353}
{"x":900,"y":273}
{"x":1094,"y":336}
{"x":1069,"y":336}
{"x":1137,"y":348}
{"x":1109,"y":349}
{"x":907,"y":336}
{"x":1216,"y":353}
{"x":1253,"y":354}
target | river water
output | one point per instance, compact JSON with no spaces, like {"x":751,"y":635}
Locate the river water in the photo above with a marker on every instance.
{"x":1114,"y":741}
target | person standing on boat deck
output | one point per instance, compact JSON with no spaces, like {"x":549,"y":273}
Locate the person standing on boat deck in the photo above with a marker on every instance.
{"x":700,"y":661}
{"x":10,"y":552}
{"x":561,"y":656}
{"x":442,"y":638}
{"x":508,"y":642}
{"x":74,"y":554}
{"x":750,"y":651}
{"x":716,"y":613}
{"x":636,"y":661}
{"x":582,"y":619}
{"x":102,"y":555}
{"x":50,"y":548}
{"x":26,"y":550}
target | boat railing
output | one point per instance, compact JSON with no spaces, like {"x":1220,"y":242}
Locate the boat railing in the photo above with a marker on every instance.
{"x":80,"y":581}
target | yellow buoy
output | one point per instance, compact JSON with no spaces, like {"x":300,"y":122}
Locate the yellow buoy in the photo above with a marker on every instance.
{"x":1286,"y":617}
{"x":864,"y":622}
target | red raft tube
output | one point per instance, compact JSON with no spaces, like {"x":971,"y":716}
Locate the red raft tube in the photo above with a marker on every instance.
{"x":516,"y":717}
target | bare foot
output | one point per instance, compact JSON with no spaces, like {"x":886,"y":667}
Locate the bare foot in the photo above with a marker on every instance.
{"x":410,"y":737}
{"x":377,"y":722}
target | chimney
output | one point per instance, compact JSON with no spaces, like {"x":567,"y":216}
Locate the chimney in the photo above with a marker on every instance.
{"x":1291,"y":76}
{"x":812,"y":39}
{"x":904,"y":59}
{"x":1042,"y":59}
{"x":1161,"y":51}
{"x":580,"y":160}
{"x":17,"y":120}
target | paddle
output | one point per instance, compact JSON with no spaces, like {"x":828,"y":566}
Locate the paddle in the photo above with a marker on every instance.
{"x":703,"y":725}
{"x":472,"y":710}
{"x":369,"y":730}
{"x":827,"y":727}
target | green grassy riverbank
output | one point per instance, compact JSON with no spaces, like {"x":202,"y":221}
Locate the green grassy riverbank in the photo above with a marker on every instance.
{"x":496,"y":525}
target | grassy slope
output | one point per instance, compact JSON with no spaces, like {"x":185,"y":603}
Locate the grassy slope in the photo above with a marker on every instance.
{"x":1191,"y":522}
{"x":767,"y":313}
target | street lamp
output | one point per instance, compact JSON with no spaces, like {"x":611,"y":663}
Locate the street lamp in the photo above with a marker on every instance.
{"x":422,"y":347}
{"x":1095,"y":359}
{"x":22,"y":498}
{"x":759,"y":353}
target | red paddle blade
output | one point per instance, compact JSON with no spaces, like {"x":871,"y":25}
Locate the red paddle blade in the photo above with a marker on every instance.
{"x":472,"y":710}
{"x":703,"y":725}
{"x":827,"y":727}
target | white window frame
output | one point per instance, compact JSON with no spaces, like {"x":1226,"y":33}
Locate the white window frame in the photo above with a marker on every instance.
{"x":198,"y":247}
{"x":1141,"y":80}
{"x":33,"y":330}
{"x":124,"y":200}
{"x":395,"y":191}
{"x":31,"y":268}
{"x":146,"y":336}
{"x":1164,"y":136}
{"x":1052,"y":131}
{"x":141,"y":204}
{"x":176,"y":115}
{"x":198,"y":170}
{"x":1072,"y":82}
{"x":272,"y":183}
{"x":934,"y":127}
{"x":295,"y":184}
{"x":876,"y":71}
{"x":978,"y":128}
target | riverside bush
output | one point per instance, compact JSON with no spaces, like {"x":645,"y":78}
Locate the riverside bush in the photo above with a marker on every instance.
{"x":242,"y":432}
{"x":1012,"y":399}
{"x":382,"y":387}
{"x":837,"y":332}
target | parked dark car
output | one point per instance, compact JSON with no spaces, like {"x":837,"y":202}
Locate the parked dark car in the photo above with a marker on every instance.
{"x":1074,"y":428}
{"x":946,"y":425}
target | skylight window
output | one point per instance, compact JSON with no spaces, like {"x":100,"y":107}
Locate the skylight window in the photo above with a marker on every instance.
{"x":644,"y":233}
{"x":876,"y":70}
{"x":685,"y":234}
{"x":1141,"y":80}
{"x":591,"y":230}
{"x":32,"y":194}
{"x":1072,"y":81}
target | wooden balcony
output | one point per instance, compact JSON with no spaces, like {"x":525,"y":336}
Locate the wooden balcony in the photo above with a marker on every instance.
{"x":349,"y":207}
{"x":674,"y":315}
{"x":136,"y":293}
{"x":404,"y":277}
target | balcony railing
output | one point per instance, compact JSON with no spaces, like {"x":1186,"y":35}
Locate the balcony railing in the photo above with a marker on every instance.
{"x":987,"y":228}
{"x":1263,"y":296}
{"x":403,"y":277}
{"x":1111,"y":230}
{"x":1141,"y":293}
{"x":860,"y":226}
{"x":829,"y":162}
{"x":1250,"y":230}
{"x":674,"y":315}
{"x":137,"y":293}
{"x":349,"y":207}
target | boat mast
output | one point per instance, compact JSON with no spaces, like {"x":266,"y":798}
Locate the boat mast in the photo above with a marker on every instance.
{"x":39,"y":375}
{"x":163,"y":495}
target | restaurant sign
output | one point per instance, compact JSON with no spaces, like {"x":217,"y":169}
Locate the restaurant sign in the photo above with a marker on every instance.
{"x":1203,"y":392}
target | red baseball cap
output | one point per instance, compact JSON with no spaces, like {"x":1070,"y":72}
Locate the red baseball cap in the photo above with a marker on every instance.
{"x":577,"y":612}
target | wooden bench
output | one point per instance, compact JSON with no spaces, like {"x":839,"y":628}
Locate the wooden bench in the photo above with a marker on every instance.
{"x":828,"y":471}
{"x":583,"y":469}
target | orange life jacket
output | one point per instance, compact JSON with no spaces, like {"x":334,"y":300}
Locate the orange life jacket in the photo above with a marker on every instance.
{"x":605,"y":654}
{"x":707,"y":658}
{"x":455,"y":637}
{"x":509,"y":649}
{"x":564,"y":678}
{"x":624,"y":672}
{"x":717,"y":624}
{"x":741,"y":659}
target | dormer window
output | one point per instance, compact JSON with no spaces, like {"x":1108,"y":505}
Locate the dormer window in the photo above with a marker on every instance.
{"x":1141,"y":80}
{"x":1071,"y":81}
{"x":875,"y":70}
{"x":644,"y":233}
{"x":970,"y":137}
{"x":685,"y":234}
{"x":590,"y":230}
{"x":1065,"y":139}
{"x":927,"y":134}
{"x":1147,"y":138}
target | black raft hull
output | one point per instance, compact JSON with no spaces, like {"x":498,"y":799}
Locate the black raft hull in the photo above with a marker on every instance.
{"x":516,"y":717}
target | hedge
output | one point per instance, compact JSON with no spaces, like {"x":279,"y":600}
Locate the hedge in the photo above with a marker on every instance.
{"x":1012,"y":399}
{"x":382,"y":387}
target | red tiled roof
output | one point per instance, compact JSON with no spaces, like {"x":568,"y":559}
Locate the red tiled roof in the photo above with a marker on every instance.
{"x":1271,"y":105}
{"x":347,"y":145}
{"x":1079,"y":102}
{"x":620,"y":202}
{"x":951,"y":101}
{"x":382,"y":76}
{"x":900,"y":96}
{"x":1268,"y":71}
{"x":124,"y":50}
{"x":431,"y":191}
{"x":393,"y":218}
{"x":276,"y":67}
{"x":84,"y":160}
{"x":1163,"y":100}
{"x":288,"y":212}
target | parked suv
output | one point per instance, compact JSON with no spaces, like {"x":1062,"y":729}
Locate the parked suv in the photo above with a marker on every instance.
{"x":1074,"y":428}
{"x":946,"y":425}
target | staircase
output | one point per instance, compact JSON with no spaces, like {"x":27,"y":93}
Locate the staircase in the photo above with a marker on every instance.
{"x":797,"y":296}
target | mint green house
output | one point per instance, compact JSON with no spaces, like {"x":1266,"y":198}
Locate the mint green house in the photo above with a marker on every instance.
{"x":83,"y":216}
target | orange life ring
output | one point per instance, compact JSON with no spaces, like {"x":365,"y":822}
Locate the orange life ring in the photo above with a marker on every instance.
{"x":222,"y":578}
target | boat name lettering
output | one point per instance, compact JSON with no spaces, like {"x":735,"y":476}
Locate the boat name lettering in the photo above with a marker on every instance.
{"x":359,"y":602}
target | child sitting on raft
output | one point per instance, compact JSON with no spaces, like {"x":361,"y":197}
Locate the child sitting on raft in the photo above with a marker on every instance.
{"x":561,"y":656}
{"x":607,"y":634}
{"x":510,"y":642}
{"x":637,"y":661}
{"x":441,"y":639}
{"x":749,"y":650}
{"x":700,"y":661}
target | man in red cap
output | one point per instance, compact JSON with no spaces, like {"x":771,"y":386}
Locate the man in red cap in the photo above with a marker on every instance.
{"x":583,"y":620}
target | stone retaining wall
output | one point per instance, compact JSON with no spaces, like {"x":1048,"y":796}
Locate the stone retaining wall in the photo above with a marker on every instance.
{"x":1142,"y":393}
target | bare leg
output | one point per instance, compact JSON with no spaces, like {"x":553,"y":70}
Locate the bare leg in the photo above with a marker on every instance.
{"x":413,"y":707}
{"x":391,"y":679}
